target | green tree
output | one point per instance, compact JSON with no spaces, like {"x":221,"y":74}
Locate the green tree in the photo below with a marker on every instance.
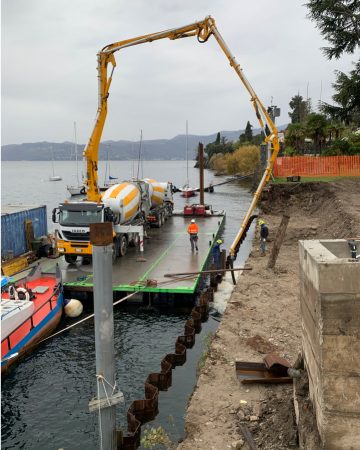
{"x":248,"y":132}
{"x":346,"y":97}
{"x":339,"y":23}
{"x":220,"y":145}
{"x":247,"y":136}
{"x":295,"y":136}
{"x":316,"y":127}
{"x":300,"y":109}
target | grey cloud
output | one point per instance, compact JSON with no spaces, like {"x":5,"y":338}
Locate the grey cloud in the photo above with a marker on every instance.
{"x":49,"y":76}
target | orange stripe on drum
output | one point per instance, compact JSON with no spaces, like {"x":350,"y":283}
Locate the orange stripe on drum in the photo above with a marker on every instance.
{"x":158,"y":189}
{"x":118,"y":189}
{"x":131,"y":212}
{"x":130,"y":197}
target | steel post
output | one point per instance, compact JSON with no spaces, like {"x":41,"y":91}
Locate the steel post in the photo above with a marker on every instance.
{"x":201,"y":169}
{"x":101,"y":239}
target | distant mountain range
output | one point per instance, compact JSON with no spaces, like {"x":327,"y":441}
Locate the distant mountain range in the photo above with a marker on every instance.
{"x":156,"y":149}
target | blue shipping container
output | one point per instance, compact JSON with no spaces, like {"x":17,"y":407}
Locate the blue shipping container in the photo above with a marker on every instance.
{"x":13,"y":217}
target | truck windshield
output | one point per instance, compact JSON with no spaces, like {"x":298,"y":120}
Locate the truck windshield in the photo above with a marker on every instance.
{"x":80,"y":217}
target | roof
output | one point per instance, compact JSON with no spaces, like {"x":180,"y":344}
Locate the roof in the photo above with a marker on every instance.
{"x":16,"y":208}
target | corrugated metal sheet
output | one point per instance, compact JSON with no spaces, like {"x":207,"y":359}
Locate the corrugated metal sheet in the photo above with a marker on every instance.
{"x":13,"y":219}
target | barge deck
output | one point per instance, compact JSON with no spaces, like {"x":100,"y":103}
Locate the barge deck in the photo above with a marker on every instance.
{"x":166,"y":250}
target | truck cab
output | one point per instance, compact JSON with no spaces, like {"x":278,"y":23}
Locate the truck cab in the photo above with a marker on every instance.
{"x":73,"y":231}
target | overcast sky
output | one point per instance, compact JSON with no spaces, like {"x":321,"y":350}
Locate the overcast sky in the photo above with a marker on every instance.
{"x":49,"y":77}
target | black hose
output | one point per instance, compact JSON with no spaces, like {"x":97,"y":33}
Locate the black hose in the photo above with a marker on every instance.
{"x":231,"y":261}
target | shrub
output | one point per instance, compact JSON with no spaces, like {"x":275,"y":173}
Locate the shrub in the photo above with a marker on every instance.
{"x":290,"y":151}
{"x":244,"y":160}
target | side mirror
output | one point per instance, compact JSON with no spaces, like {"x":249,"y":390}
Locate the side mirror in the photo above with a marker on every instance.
{"x":54,"y":212}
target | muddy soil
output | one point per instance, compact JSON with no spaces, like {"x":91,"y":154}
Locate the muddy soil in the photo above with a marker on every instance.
{"x":263,"y":316}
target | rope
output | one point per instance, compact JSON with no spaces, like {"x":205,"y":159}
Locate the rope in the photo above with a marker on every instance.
{"x":99,"y":412}
{"x":103,"y":380}
{"x":83,"y":320}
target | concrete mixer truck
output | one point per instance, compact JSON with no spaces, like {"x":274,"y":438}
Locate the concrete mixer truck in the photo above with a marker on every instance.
{"x":135,"y":211}
{"x":131,"y":206}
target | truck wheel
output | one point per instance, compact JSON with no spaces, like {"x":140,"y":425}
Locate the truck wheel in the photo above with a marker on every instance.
{"x":70,"y":259}
{"x":159,"y":222}
{"x":123,"y":245}
{"x":114,"y":251}
{"x":135,"y":241}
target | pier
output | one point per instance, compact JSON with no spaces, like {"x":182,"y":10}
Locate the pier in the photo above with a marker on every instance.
{"x":167,"y":249}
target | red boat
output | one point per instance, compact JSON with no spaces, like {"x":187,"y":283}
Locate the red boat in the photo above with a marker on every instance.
{"x":31,"y":309}
{"x":187,"y":191}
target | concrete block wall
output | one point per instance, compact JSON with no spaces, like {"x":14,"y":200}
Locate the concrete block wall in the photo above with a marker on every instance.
{"x":330,"y":312}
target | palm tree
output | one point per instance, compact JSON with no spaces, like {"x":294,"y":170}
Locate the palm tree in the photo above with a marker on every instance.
{"x":316,"y":125}
{"x":295,"y":136}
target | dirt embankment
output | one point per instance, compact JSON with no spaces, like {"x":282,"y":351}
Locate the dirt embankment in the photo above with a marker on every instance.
{"x":263,"y":316}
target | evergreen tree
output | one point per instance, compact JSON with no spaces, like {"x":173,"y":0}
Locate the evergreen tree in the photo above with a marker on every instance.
{"x":247,"y":136}
{"x":339,"y":23}
{"x":217,"y":141}
{"x":300,"y":109}
{"x":248,"y":132}
{"x":347,"y":97}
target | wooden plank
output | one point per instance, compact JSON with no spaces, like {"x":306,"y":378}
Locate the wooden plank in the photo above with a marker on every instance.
{"x":14,"y":266}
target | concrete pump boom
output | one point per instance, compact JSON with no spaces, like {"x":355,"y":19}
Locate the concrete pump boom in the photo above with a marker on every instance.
{"x":202,"y":30}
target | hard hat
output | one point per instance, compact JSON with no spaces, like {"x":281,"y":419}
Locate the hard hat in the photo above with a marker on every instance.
{"x":192,"y":220}
{"x":219,"y":241}
{"x":261,"y":222}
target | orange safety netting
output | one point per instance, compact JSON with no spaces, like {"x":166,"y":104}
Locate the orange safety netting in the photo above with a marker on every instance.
{"x":314,"y":166}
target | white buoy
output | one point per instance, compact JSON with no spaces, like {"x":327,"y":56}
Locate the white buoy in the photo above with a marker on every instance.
{"x":73,"y":308}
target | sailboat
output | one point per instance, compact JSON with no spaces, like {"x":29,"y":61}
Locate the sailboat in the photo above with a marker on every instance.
{"x":187,"y":190}
{"x":54,"y":177}
{"x":79,"y":188}
{"x":109,"y":180}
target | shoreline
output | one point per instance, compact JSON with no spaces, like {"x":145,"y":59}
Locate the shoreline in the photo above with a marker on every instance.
{"x":263,"y":316}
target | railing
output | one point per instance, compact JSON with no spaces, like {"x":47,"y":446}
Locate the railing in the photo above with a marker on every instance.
{"x":30,"y":320}
{"x":317,"y":166}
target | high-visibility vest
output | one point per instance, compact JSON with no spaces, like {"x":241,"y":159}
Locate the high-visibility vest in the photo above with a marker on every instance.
{"x":193,"y":228}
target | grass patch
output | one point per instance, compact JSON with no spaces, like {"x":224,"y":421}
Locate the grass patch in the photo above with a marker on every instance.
{"x":281,"y":180}
{"x":207,"y":344}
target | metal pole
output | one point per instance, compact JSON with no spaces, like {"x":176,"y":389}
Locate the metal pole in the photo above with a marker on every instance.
{"x":101,"y":239}
{"x":201,"y":168}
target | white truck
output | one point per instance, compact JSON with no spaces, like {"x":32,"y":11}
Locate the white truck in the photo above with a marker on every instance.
{"x":131,"y":207}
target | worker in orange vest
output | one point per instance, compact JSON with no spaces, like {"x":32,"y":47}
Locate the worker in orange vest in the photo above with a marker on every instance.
{"x":193,"y":231}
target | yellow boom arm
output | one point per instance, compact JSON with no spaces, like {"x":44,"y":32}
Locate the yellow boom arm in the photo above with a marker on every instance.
{"x":202,"y":30}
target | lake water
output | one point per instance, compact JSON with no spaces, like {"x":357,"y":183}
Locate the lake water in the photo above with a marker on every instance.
{"x":45,"y":398}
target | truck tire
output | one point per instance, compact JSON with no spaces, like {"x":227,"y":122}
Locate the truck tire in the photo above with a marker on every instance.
{"x":114,"y":250}
{"x":135,"y":241}
{"x":70,"y":259}
{"x":159,"y":222}
{"x":123,"y":245}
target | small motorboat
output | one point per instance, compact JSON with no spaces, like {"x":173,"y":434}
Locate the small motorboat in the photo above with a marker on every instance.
{"x":76,"y":190}
{"x":31,"y":308}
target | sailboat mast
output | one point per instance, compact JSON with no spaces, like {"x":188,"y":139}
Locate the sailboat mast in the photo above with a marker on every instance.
{"x":139,"y":159}
{"x":52,"y":159}
{"x":187,"y":155}
{"x":76,"y":155}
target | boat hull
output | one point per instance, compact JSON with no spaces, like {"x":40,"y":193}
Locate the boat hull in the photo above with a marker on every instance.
{"x":32,"y":339}
{"x":76,"y":190}
{"x":188,"y":194}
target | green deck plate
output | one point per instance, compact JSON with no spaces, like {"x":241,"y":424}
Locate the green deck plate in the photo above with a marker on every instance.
{"x":170,"y":248}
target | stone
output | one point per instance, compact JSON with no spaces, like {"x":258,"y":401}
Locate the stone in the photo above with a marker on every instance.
{"x":237,"y":444}
{"x":253,"y":418}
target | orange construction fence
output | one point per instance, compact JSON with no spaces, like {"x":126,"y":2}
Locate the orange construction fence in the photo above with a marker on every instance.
{"x":317,"y":166}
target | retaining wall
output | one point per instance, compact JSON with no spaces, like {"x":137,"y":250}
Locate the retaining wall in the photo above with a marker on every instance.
{"x":330,"y":311}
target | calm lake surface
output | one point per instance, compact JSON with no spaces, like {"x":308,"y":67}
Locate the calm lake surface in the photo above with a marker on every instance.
{"x":45,"y":398}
